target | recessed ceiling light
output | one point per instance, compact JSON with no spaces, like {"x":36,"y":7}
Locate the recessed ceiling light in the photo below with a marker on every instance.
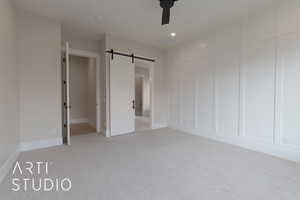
{"x":173,"y":34}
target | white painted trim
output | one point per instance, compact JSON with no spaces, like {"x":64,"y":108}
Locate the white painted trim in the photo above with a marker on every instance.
{"x":107,"y":95}
{"x":105,"y":133}
{"x":67,"y":93}
{"x":40,"y":144}
{"x":78,"y":121}
{"x":281,"y":151}
{"x":5,"y":168}
{"x":159,"y":125}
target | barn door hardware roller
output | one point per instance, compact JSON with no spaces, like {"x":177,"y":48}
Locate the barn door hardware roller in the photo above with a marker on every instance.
{"x":113,"y":53}
{"x":132,"y":57}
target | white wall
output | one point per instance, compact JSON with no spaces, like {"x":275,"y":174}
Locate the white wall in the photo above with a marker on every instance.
{"x":9,"y":87}
{"x":77,"y":42}
{"x":39,"y":62}
{"x":79,"y":89}
{"x":159,"y":83}
{"x":241,"y":84}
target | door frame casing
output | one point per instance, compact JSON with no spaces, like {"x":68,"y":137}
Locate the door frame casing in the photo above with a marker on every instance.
{"x":95,"y":55}
{"x":150,"y":66}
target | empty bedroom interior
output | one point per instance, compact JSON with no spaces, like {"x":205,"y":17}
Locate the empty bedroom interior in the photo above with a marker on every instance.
{"x":115,"y":100}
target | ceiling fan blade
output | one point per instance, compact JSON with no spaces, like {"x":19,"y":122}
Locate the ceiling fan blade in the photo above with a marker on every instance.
{"x":166,"y":16}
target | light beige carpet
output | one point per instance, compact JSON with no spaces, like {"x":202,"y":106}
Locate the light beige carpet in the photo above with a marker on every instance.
{"x":161,"y":165}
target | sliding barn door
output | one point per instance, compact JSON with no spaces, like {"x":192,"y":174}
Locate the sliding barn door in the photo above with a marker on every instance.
{"x":66,"y":97}
{"x":122,"y":94}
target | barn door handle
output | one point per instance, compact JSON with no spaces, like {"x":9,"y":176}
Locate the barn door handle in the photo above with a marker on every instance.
{"x":133,"y":104}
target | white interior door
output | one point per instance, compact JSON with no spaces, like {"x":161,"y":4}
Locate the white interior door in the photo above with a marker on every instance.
{"x":122,"y":94}
{"x":66,"y":92}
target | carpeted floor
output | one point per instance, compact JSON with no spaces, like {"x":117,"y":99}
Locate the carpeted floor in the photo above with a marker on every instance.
{"x":161,"y":165}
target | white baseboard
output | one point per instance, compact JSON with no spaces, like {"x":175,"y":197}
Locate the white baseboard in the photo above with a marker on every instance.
{"x":105,"y":132}
{"x":280,"y":151}
{"x":159,"y":125}
{"x":8,"y":164}
{"x":40,"y":144}
{"x":78,"y":121}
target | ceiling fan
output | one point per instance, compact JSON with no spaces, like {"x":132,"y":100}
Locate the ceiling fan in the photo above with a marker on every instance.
{"x":166,"y":6}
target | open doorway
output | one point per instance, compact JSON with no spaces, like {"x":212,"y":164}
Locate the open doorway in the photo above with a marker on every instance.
{"x":82,"y":74}
{"x":143,"y":95}
{"x":81,"y":93}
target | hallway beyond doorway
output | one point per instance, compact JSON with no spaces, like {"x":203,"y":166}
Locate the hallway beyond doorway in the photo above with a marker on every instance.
{"x":142,"y":123}
{"x":82,"y":129}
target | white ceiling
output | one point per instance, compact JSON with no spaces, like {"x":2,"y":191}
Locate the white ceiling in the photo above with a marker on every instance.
{"x":139,"y":20}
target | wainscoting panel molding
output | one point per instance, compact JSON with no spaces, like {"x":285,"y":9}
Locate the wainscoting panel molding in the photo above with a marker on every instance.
{"x":241,"y":84}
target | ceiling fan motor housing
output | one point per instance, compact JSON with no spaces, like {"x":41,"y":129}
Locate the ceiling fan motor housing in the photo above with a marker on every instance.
{"x":166,"y":6}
